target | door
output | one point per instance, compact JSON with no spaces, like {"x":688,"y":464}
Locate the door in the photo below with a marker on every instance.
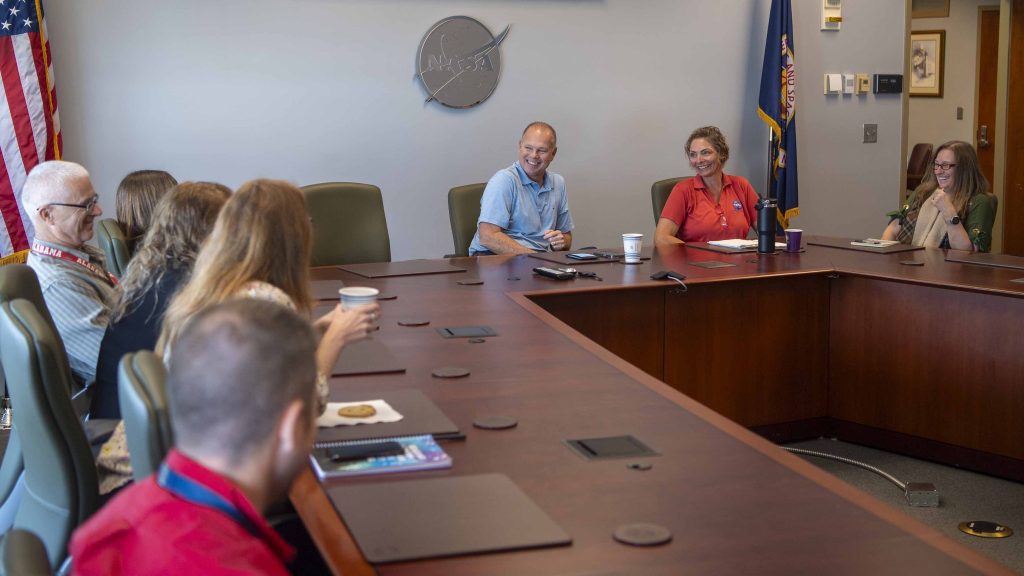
{"x":985,"y":118}
{"x":1013,"y":202}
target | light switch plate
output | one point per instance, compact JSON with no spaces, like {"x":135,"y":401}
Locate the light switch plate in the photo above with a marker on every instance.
{"x":863,"y":83}
{"x":870,"y":133}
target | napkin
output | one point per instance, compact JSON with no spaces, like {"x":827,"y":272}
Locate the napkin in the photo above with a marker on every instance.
{"x":330,"y":417}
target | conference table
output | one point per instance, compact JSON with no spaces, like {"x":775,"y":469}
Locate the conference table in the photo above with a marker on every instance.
{"x":904,"y":351}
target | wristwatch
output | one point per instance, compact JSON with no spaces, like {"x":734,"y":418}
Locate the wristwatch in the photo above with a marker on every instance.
{"x":954,"y":220}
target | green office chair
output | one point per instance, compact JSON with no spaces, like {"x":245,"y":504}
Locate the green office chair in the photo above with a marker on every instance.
{"x":464,"y":211}
{"x":660,"y":191}
{"x":140,"y":389}
{"x":61,"y":489}
{"x":115,"y":245}
{"x":22,"y":554}
{"x":349,"y":226}
{"x":16,"y":281}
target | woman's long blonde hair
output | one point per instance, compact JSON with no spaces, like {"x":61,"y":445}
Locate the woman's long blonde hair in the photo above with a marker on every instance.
{"x":262,"y":234}
{"x":181,"y":221}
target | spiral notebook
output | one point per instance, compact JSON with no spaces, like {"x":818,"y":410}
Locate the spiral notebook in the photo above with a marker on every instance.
{"x":421,"y":453}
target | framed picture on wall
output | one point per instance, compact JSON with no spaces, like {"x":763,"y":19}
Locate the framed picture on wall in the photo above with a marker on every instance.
{"x":929,"y":9}
{"x":927,"y":62}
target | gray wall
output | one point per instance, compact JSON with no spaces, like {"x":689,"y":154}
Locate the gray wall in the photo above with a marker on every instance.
{"x":847,"y":186}
{"x":316,"y":90}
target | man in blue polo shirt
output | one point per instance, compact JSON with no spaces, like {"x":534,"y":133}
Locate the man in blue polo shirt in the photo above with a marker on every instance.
{"x":524,"y":207}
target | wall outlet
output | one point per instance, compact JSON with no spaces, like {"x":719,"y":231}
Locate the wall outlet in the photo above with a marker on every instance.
{"x":870,"y":133}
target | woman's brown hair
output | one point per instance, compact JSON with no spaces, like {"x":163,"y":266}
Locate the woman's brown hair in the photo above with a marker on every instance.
{"x":137,"y":197}
{"x":262,"y":234}
{"x":181,"y":221}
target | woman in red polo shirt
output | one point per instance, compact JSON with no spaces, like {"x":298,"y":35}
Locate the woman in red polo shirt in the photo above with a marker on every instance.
{"x":712,"y":205}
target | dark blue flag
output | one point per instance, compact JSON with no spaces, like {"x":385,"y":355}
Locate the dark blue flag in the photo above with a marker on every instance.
{"x":776,"y":105}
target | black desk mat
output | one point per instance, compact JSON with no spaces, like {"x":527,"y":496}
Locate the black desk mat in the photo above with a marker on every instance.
{"x":434,"y":517}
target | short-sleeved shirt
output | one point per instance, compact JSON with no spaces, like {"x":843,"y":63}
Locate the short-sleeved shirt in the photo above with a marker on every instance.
{"x":700,"y":219}
{"x":523,"y":209}
{"x":147,"y":529}
{"x":79,"y":302}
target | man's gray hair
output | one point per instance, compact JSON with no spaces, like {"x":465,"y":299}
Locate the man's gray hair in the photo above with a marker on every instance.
{"x":49,"y":182}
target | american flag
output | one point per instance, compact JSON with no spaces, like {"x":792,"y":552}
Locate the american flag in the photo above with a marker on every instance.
{"x":29,"y":125}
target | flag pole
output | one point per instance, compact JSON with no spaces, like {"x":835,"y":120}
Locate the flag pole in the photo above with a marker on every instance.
{"x":770,"y":190}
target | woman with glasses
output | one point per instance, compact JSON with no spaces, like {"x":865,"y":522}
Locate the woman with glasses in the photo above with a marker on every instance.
{"x":712,"y":205}
{"x":952,"y":208}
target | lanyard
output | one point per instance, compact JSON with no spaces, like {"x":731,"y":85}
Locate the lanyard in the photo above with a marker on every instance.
{"x":58,"y":253}
{"x":194,"y":492}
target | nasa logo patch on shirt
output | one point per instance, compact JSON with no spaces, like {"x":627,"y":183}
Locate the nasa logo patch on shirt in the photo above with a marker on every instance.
{"x":736,"y":205}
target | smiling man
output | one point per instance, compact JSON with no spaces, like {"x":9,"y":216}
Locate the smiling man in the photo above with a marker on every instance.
{"x":59,"y":198}
{"x":524,"y":207}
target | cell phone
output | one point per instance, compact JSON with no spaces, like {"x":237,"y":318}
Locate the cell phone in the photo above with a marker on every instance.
{"x":581,"y":256}
{"x":347,"y":453}
{"x":554,"y":273}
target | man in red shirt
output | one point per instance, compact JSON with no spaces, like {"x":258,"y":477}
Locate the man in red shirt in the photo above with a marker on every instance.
{"x":241,"y":399}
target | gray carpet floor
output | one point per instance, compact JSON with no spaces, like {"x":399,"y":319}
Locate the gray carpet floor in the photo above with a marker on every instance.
{"x":963,"y":495}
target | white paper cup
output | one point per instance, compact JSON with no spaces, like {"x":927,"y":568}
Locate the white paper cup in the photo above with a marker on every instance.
{"x":631,"y":245}
{"x":356,"y":296}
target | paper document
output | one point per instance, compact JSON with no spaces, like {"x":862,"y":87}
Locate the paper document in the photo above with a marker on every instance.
{"x":740,"y":243}
{"x":874,"y":243}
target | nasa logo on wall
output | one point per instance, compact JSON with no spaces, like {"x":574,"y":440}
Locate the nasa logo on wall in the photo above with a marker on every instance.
{"x":459,"y":62}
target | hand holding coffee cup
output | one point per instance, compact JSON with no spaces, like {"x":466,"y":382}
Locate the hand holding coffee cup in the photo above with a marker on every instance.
{"x":340,"y":327}
{"x":356,"y":296}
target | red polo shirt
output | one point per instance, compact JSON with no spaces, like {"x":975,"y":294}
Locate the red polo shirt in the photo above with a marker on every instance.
{"x":691,"y":207}
{"x":148,"y":530}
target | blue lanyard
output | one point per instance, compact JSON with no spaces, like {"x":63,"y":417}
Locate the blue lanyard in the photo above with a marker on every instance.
{"x":194,"y":492}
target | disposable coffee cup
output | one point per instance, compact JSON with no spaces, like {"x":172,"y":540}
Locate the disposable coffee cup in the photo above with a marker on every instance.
{"x":356,"y":296}
{"x":793,"y":236}
{"x":631,"y":245}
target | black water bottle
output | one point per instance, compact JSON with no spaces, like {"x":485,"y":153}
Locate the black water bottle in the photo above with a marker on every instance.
{"x":766,"y":209}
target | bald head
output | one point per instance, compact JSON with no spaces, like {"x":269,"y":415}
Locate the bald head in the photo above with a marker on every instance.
{"x":542,"y":129}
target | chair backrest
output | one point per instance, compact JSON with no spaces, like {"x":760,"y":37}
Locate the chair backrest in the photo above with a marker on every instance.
{"x":115,"y":245}
{"x":22,"y":554}
{"x":660,"y":191}
{"x":349,"y":226}
{"x":61,"y":489}
{"x":140,"y":389}
{"x":16,"y":281}
{"x":464,"y":211}
{"x":917,"y":164}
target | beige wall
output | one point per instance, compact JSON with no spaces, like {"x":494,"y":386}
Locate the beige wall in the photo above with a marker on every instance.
{"x":934,"y":120}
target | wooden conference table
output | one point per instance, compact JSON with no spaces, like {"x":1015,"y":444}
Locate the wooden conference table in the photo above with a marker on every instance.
{"x":921,"y":359}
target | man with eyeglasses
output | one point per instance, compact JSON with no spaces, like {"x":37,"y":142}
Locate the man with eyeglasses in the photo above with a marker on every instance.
{"x":59,"y":198}
{"x":524,"y":207}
